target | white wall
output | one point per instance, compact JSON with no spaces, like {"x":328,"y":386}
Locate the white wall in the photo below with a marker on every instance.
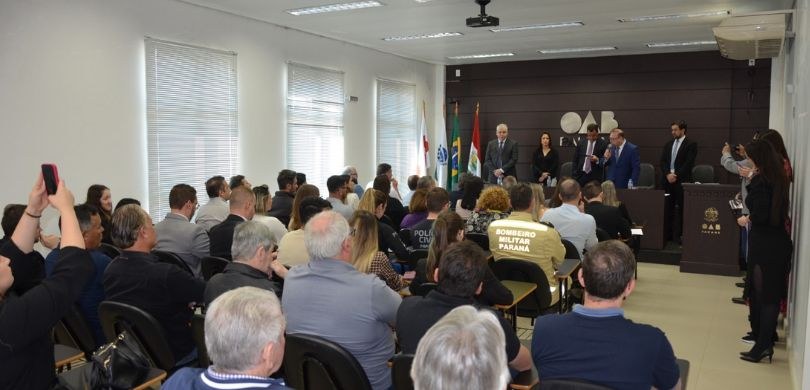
{"x":72,"y":89}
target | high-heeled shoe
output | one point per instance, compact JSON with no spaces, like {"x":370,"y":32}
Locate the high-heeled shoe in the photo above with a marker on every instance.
{"x":747,"y":356}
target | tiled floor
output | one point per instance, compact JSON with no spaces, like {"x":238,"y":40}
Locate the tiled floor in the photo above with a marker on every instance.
{"x":704,"y":327}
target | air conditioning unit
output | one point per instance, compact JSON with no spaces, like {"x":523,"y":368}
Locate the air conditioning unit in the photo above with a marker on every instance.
{"x":751,"y":37}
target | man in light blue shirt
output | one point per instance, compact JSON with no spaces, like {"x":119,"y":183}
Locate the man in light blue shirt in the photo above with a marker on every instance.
{"x":572,"y":224}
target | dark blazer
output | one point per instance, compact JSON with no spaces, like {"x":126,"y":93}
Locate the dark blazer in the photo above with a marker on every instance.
{"x":549,"y":163}
{"x":509,"y":158}
{"x":626,"y":167}
{"x":282,"y":207}
{"x":609,"y":219}
{"x":395,"y":211}
{"x":597,"y":168}
{"x":684,"y":161}
{"x":237,"y":275}
{"x":222,"y":236}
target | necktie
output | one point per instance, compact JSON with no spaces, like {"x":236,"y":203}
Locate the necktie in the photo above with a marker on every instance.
{"x":500,"y":154}
{"x":618,"y":153}
{"x":674,"y":154}
{"x":587,"y":166}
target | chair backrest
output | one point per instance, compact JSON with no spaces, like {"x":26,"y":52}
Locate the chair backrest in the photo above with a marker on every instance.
{"x":401,"y":371}
{"x":212,"y":265}
{"x":602,"y":235}
{"x":418,"y":254}
{"x":566,"y":169}
{"x":526,"y":271}
{"x":78,"y":330}
{"x":646,"y":176}
{"x":703,"y":173}
{"x":405,"y":236}
{"x":117,"y":317}
{"x":569,"y":384}
{"x":481,"y":239}
{"x":314,"y":363}
{"x":172,"y":258}
{"x":110,"y":250}
{"x":198,"y":335}
{"x":571,"y":251}
{"x":424,"y":289}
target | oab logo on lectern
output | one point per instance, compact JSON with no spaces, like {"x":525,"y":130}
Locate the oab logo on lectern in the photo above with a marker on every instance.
{"x":710,"y":216}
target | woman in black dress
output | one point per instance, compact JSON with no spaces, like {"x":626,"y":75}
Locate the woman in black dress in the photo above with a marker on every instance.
{"x":545,"y":161}
{"x":769,"y":245}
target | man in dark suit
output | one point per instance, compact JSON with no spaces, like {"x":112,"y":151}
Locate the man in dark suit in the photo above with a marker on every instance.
{"x":242,"y":207}
{"x":608,"y":218}
{"x":501,"y":156}
{"x":623,"y":160}
{"x":588,"y":164}
{"x":677,"y":161}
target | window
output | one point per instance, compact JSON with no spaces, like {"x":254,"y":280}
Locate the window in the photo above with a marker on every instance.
{"x":397,"y":133}
{"x":314,"y":122}
{"x":191,"y":117}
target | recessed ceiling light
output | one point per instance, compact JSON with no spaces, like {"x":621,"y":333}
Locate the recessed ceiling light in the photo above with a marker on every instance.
{"x":423,"y":1}
{"x":334,"y":8}
{"x":676,"y":16}
{"x":538,"y":26}
{"x":679,"y":44}
{"x":423,"y":36}
{"x":491,"y":55}
{"x":576,"y":50}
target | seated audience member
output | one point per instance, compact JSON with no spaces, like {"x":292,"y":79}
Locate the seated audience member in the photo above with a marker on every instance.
{"x":98,"y":195}
{"x":572,"y":224}
{"x":31,"y":271}
{"x":417,"y":211}
{"x":263,"y":203}
{"x":509,"y":182}
{"x":609,"y":198}
{"x":437,"y":200}
{"x":177,"y":234}
{"x":242,"y":206}
{"x":374,"y":201}
{"x":125,"y":201}
{"x":393,"y":207}
{"x":385,"y":169}
{"x":472,"y":190}
{"x":360,"y":308}
{"x":244,"y":337}
{"x":595,"y":342}
{"x":303,"y":192}
{"x":459,"y":277}
{"x":412,"y":181}
{"x":216,"y":210}
{"x":366,"y":256}
{"x":555,"y":201}
{"x":27,"y":320}
{"x":253,"y":263}
{"x":164,"y":290}
{"x":337,"y":195}
{"x":283,"y":200}
{"x":459,"y":192}
{"x":539,"y":206}
{"x":447,"y":229}
{"x":93,"y":292}
{"x":291,"y":249}
{"x":352,"y":172}
{"x":301,"y":178}
{"x":608,"y":218}
{"x":464,"y":350}
{"x":352,"y":200}
{"x":493,"y":204}
{"x":426,"y":183}
{"x":240,"y":180}
{"x":519,"y":237}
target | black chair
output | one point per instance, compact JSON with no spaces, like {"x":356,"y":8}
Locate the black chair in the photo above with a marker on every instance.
{"x":602,"y":235}
{"x":72,"y":329}
{"x":423,"y":289}
{"x":314,"y":363}
{"x":405,"y":236}
{"x":703,"y":173}
{"x":569,"y":384}
{"x":401,"y":371}
{"x":172,"y":258}
{"x":198,"y":334}
{"x":683,"y":366}
{"x":566,"y":169}
{"x":417,"y":255}
{"x":212,"y":265}
{"x":646,"y":176}
{"x":110,"y":250}
{"x":539,"y":302}
{"x":117,"y":317}
{"x":571,"y":251}
{"x":481,"y":239}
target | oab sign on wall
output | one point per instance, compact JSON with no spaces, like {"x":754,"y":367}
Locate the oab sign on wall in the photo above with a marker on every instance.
{"x":572,"y":123}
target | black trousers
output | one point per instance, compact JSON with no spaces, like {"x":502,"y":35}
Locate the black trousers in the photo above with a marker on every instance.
{"x":763,"y":312}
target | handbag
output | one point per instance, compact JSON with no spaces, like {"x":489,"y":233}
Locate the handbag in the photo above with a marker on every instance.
{"x":120,"y":364}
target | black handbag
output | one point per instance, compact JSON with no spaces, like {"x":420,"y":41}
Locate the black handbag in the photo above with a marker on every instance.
{"x":120,"y":364}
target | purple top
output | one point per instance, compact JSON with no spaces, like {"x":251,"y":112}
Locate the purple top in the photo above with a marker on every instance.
{"x":412,"y":219}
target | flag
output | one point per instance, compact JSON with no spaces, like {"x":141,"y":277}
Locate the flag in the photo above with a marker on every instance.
{"x":455,"y":152}
{"x":424,"y":146}
{"x":474,"y":164}
{"x":440,"y":141}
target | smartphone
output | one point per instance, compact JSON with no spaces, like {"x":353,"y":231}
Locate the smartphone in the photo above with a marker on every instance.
{"x":51,"y":176}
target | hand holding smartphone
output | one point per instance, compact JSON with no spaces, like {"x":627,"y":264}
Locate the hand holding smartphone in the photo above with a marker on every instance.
{"x":51,"y":176}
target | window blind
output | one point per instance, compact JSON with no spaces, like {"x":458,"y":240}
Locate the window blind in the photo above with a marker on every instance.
{"x":191,"y":118}
{"x":315,"y":102}
{"x":397,"y":133}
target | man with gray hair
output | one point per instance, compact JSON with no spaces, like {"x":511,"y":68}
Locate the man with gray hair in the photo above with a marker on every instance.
{"x":244,"y":336}
{"x":352,"y":172}
{"x":253,"y":262}
{"x":465,"y":349}
{"x":329,"y":298}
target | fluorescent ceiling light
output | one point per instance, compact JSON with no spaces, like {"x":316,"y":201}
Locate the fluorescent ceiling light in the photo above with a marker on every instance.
{"x":334,"y":8}
{"x":679,"y":44}
{"x":481,"y":56}
{"x":576,"y":50}
{"x":423,"y":36}
{"x":538,"y":26}
{"x":676,"y":16}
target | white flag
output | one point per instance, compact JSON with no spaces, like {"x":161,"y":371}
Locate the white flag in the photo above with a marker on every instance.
{"x":440,"y":142}
{"x":423,"y":159}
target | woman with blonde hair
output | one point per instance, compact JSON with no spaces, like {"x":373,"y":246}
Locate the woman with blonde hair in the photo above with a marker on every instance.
{"x":366,"y":255}
{"x":609,"y":198}
{"x":539,"y":206}
{"x":374,"y":202}
{"x":305,"y":191}
{"x":263,"y":204}
{"x":492,"y":204}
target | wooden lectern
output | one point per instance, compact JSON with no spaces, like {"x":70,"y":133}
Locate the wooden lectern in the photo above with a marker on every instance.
{"x":711,"y":236}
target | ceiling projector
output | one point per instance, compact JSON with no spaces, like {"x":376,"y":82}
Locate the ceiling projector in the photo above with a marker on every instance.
{"x":483,"y":20}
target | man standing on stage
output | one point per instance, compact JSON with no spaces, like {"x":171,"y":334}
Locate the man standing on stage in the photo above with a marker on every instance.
{"x":588,"y":164}
{"x":501,"y":156}
{"x":677,"y":161}
{"x":622,"y":160}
